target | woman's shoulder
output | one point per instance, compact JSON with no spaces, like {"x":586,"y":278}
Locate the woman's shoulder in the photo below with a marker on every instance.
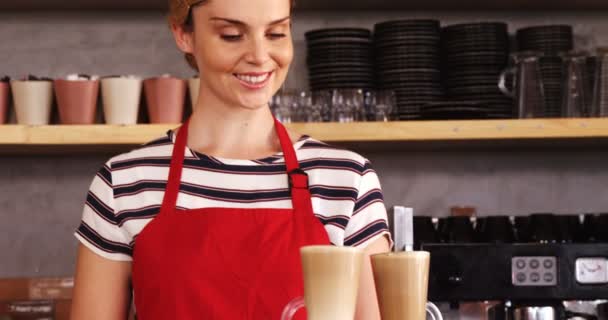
{"x":317,"y":150}
{"x":158,"y":151}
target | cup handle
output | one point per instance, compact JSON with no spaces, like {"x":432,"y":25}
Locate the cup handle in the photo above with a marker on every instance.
{"x":502,"y":82}
{"x":432,"y":309}
{"x":292,"y":307}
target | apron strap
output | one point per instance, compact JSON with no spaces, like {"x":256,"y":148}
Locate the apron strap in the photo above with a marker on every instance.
{"x":175,"y":171}
{"x":297,"y":179}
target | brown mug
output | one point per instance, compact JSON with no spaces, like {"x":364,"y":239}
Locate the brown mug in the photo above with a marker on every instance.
{"x":165,"y":98}
{"x":4,"y":93}
{"x":76,"y":100}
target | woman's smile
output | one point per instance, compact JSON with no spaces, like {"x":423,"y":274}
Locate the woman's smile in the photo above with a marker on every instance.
{"x":254,"y":80}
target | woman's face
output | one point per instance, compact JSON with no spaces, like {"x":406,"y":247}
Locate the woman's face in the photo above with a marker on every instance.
{"x":243,"y":49}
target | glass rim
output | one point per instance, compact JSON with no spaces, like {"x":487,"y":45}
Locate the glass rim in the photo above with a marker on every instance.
{"x":401,"y":254}
{"x":319,"y":248}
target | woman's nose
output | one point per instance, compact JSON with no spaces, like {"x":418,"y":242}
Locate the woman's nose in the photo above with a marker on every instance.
{"x":257,"y":51}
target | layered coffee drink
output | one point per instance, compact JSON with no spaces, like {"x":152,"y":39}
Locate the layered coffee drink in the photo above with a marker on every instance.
{"x":331,"y":281}
{"x":401,"y":284}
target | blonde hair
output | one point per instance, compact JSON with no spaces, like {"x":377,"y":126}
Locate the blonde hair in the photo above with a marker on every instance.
{"x":180,"y":14}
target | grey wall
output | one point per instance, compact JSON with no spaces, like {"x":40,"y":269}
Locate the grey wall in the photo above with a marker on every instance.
{"x":41,"y":196}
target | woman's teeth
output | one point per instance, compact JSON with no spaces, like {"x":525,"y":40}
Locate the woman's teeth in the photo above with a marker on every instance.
{"x":253,"y":79}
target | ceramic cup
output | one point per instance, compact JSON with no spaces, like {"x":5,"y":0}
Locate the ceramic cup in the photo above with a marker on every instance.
{"x":76,"y":100}
{"x":33,"y":100}
{"x":121,"y":97}
{"x":165,"y":98}
{"x":193,"y":88}
{"x":4,"y":94}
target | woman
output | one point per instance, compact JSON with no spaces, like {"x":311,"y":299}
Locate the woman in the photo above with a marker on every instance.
{"x":226,"y":245}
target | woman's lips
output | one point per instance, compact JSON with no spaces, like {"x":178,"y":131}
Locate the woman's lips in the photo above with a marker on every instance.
{"x":253,"y":80}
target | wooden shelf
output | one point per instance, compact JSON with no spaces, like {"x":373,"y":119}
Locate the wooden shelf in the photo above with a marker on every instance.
{"x":23,"y":5}
{"x":551,"y":133}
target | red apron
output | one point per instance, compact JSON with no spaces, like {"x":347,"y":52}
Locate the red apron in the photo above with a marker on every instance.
{"x":224,"y":263}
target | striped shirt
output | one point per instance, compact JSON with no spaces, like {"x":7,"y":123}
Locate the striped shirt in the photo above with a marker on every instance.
{"x":127,"y":192}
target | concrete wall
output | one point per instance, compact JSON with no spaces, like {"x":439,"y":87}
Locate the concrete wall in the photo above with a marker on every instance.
{"x":41,"y":197}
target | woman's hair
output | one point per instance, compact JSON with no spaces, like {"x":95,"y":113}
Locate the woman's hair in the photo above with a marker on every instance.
{"x":180,"y":13}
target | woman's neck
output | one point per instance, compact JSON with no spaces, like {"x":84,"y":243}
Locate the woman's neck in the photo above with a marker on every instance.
{"x":232,"y":132}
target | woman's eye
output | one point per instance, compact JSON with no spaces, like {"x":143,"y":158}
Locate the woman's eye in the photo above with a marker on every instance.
{"x":231,"y":37}
{"x":276,"y":35}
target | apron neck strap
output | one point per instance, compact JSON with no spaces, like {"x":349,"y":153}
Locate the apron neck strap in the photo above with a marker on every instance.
{"x":297,"y":178}
{"x":291,"y":161}
{"x":175,"y":171}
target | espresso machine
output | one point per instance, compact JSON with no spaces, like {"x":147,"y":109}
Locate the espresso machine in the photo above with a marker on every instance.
{"x":535,"y":267}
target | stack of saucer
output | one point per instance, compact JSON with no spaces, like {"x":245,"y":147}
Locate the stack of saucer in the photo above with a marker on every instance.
{"x":340,"y":58}
{"x":474,"y":55}
{"x":407,"y":61}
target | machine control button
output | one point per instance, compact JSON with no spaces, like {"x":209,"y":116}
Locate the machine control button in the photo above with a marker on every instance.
{"x":548,"y":277}
{"x":534,"y":277}
{"x":520,"y":263}
{"x":534,"y":264}
{"x":548,"y":263}
{"x":520,"y":277}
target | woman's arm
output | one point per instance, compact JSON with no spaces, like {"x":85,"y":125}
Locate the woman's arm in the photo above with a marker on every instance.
{"x":101,"y":287}
{"x":367,"y":302}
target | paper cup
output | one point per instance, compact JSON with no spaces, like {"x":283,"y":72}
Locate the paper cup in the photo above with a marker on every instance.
{"x":33,"y":101}
{"x":4,"y":93}
{"x":76,"y":100}
{"x":121,"y":97}
{"x":165,"y":99}
{"x":193,"y":88}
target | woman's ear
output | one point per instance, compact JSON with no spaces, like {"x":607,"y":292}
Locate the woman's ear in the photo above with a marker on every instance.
{"x":184,"y":38}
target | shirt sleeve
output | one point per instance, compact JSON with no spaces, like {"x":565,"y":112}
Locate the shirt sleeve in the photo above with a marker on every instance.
{"x":100,"y":230}
{"x":369,"y":220}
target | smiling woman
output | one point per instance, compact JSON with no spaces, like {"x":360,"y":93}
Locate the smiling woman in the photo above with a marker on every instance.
{"x":207,"y":221}
{"x":242,"y":56}
{"x":180,"y":14}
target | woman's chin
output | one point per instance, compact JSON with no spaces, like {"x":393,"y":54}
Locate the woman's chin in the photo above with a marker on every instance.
{"x":254,"y":103}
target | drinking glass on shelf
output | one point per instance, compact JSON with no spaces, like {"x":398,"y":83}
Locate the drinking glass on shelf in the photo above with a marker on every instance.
{"x":303,"y":106}
{"x":291,"y":101}
{"x":340,"y":111}
{"x":347,"y":105}
{"x":384,"y":105}
{"x":314,"y":107}
{"x":322,"y":100}
{"x":575,"y":102}
{"x":357,"y":98}
{"x":281,"y":106}
{"x":529,"y":90}
{"x":600,"y":88}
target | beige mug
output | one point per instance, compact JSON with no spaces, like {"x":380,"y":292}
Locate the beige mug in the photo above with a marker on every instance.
{"x":401,"y":280}
{"x":193,"y":87}
{"x":331,"y":282}
{"x":33,"y":100}
{"x":121,"y":97}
